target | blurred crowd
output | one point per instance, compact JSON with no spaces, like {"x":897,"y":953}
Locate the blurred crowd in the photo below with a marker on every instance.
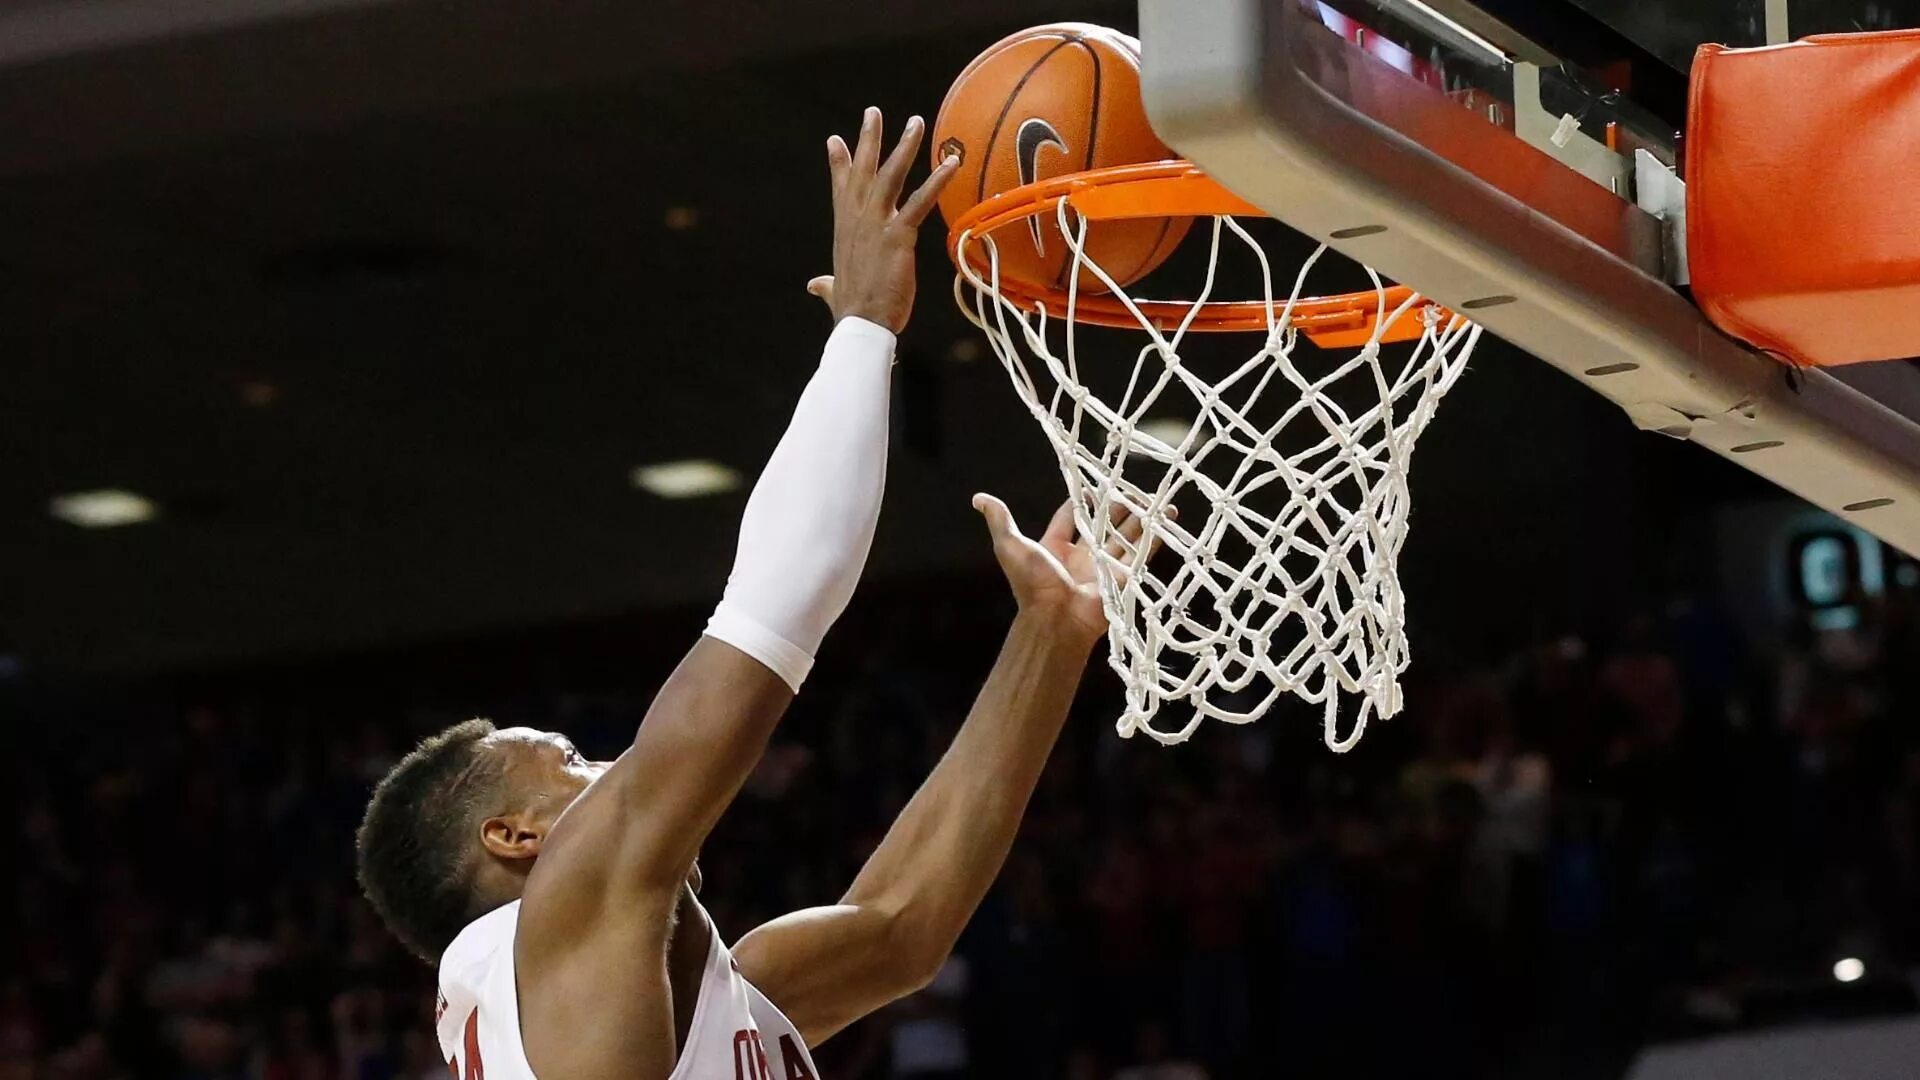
{"x":1651,"y":828}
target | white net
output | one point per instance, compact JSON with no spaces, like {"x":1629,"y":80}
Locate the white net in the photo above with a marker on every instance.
{"x":1285,"y":580}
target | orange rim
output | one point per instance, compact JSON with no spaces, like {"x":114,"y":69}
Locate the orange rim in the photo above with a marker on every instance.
{"x":1174,"y":189}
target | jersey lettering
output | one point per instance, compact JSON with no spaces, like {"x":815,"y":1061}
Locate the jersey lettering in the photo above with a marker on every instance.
{"x":795,"y":1060}
{"x":750,"y":1057}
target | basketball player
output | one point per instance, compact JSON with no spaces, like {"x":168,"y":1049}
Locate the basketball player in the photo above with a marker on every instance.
{"x":559,"y":893}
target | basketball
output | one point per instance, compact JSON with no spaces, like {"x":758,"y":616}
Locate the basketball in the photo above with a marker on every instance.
{"x":1045,"y":102}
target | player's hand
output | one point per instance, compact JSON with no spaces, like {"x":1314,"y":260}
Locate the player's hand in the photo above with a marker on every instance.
{"x":873,"y":230}
{"x":1055,"y":575}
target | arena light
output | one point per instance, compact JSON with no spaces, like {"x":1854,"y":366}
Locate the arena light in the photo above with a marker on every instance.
{"x":1849,"y":970}
{"x":689,"y":479}
{"x":105,"y":508}
{"x":1168,"y":429}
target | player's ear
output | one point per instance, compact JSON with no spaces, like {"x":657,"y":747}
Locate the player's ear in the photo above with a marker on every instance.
{"x":512,"y":836}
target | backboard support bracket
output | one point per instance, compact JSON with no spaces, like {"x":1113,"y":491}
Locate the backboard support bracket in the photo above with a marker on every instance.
{"x":1659,"y":191}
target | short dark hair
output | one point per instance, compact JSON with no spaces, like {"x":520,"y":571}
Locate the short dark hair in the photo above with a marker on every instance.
{"x":413,"y":848}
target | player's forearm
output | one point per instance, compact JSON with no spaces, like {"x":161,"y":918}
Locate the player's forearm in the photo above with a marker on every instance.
{"x":810,"y":521}
{"x":804,"y":538}
{"x":942,"y":854}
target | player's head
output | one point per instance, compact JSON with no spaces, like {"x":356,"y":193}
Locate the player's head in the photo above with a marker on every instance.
{"x":453,"y":829}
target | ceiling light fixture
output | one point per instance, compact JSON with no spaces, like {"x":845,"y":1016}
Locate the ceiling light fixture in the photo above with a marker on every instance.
{"x":690,"y":479}
{"x":105,"y":508}
{"x":1168,"y":429}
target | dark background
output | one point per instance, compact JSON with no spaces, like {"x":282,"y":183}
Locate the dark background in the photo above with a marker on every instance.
{"x":380,"y":304}
{"x":437,"y":236}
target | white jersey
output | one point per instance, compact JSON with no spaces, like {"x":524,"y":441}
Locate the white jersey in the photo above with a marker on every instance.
{"x":737,"y":1034}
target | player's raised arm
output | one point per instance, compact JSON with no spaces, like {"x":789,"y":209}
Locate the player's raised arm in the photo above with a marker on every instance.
{"x":599,"y":902}
{"x":827,"y":967}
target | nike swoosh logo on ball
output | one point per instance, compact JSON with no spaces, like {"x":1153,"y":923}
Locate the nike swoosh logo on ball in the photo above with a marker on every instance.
{"x":1034,"y":134}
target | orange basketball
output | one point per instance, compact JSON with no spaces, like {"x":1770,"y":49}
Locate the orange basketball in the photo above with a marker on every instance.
{"x":1052,"y":100}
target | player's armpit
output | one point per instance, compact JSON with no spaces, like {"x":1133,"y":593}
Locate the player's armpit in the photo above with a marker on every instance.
{"x":826,"y":967}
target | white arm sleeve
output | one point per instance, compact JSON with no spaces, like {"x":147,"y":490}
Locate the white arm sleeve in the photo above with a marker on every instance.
{"x":809,"y":522}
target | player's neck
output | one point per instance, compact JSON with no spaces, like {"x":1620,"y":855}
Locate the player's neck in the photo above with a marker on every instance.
{"x":495,"y":886}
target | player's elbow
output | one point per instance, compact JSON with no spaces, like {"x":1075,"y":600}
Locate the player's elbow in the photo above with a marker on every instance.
{"x":907,"y":934}
{"x":915,"y":972}
{"x":913,"y":955}
{"x":899,"y":976}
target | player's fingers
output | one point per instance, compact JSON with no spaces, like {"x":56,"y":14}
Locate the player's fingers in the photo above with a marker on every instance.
{"x":1155,"y":541}
{"x":839,"y":162}
{"x":915,"y":209}
{"x":866,"y":155}
{"x":1125,"y":536}
{"x":1133,"y":528}
{"x":893,"y":175}
{"x":1059,"y":533}
{"x":999,"y":518}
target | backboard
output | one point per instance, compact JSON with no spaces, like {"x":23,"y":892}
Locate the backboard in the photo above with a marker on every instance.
{"x":1513,"y":160}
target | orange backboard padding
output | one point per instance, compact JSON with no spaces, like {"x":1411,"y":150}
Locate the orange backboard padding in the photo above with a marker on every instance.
{"x":1803,"y":229}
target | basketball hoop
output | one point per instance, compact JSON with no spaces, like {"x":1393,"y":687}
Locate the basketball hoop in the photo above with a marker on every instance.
{"x":1289,"y":585}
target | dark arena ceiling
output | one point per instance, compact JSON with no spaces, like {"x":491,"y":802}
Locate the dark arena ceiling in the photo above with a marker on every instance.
{"x":380,"y":303}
